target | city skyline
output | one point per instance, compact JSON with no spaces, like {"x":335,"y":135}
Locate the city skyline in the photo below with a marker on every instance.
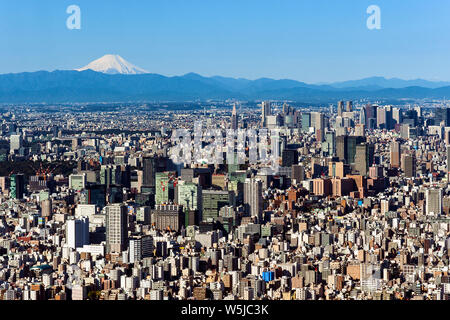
{"x":189,"y":152}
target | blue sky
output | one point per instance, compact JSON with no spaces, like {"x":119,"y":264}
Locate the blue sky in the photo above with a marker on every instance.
{"x":311,"y":41}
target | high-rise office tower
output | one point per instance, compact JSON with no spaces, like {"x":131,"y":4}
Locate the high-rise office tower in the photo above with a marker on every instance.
{"x":116,"y":227}
{"x":286,"y":109}
{"x":189,"y":195}
{"x":17,"y":183}
{"x":363,"y":116}
{"x":371,"y":116}
{"x":15,"y":142}
{"x":442,"y":116}
{"x":298,"y":173}
{"x":411,"y":117}
{"x":77,"y":232}
{"x":395,"y":154}
{"x":317,"y":120}
{"x":149,"y":171}
{"x":213,"y":201}
{"x":349,"y":106}
{"x":346,"y":148}
{"x":341,"y":147}
{"x":140,"y":247}
{"x":418,"y":110}
{"x":330,"y":143}
{"x":340,"y":108}
{"x":389,"y":120}
{"x":381,"y":118}
{"x":164,"y":187}
{"x":433,"y":198}
{"x":234,"y":120}
{"x":409,"y":165}
{"x":363,"y":158}
{"x":397,"y":116}
{"x":336,"y":169}
{"x":46,"y":208}
{"x":253,"y":197}
{"x":448,"y":159}
{"x":306,"y":121}
{"x":265,"y":112}
{"x":110,"y":175}
{"x":289,"y":157}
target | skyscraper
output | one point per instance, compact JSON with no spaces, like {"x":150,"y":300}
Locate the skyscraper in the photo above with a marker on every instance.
{"x":397,"y":116}
{"x":336,"y":169}
{"x":298,"y":173}
{"x":265,"y":112}
{"x":340,"y":108}
{"x":433,"y":198}
{"x":371,"y":116}
{"x":116,"y":227}
{"x":363,"y":158}
{"x":189,"y":195}
{"x":442,"y":115}
{"x":317,"y":120}
{"x":363,"y":116}
{"x":77,"y":232}
{"x":289,"y":157}
{"x":395,"y":154}
{"x":349,"y":106}
{"x":381,"y":118}
{"x":213,"y":201}
{"x":15,"y":142}
{"x":409,"y":165}
{"x":448,"y":159}
{"x":140,"y":247}
{"x":17,"y":186}
{"x":306,"y":121}
{"x":253,"y":197}
{"x":110,"y":175}
{"x":341,"y":148}
{"x":234,"y":120}
{"x":164,"y":187}
{"x":346,"y":148}
{"x":149,"y":171}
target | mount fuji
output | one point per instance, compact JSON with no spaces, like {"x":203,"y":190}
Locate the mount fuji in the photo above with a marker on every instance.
{"x":113,"y":64}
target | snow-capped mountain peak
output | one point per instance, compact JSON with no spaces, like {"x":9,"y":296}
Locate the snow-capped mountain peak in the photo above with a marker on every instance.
{"x":113,"y":64}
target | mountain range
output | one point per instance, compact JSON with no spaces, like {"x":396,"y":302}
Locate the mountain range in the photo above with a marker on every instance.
{"x":113,"y":79}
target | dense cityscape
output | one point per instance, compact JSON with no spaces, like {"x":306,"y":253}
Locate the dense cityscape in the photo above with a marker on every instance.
{"x":94,"y":207}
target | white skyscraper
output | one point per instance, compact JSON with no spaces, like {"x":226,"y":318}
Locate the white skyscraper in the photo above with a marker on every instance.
{"x":77,"y":232}
{"x":15,"y":142}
